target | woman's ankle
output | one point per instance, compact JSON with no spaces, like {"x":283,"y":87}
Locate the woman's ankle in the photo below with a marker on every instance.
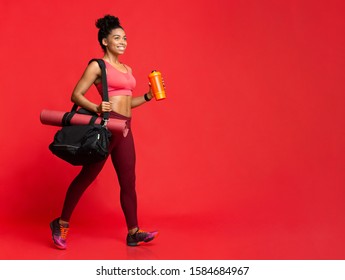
{"x":133,"y":230}
{"x":63,"y":223}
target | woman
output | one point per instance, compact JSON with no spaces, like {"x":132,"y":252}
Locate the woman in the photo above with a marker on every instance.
{"x":121,"y":83}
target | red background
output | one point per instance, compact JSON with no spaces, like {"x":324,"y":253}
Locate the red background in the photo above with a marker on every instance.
{"x":243,"y":160}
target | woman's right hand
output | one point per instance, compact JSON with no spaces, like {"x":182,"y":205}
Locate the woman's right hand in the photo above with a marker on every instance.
{"x":104,"y":107}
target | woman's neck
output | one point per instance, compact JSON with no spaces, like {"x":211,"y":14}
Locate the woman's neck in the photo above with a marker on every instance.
{"x":112,"y":59}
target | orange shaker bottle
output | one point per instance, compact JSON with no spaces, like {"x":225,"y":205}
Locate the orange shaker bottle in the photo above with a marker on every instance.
{"x":157,"y":87}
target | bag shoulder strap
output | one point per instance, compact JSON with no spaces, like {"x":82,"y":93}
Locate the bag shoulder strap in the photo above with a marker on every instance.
{"x":104,"y":85}
{"x":104,"y":77}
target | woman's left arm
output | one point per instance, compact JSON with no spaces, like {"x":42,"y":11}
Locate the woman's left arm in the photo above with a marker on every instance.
{"x":140,"y":100}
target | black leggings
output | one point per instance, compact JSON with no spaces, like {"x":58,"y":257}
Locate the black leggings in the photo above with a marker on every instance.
{"x":122,"y":154}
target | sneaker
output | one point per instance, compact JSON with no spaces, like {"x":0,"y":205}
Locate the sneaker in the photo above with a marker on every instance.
{"x":140,"y":236}
{"x":59,"y":233}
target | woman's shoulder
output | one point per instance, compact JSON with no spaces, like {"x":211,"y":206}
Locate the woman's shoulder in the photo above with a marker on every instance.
{"x":95,"y":63}
{"x":93,"y":66}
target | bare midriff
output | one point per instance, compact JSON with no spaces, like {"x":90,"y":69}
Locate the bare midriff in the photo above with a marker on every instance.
{"x":122,"y":104}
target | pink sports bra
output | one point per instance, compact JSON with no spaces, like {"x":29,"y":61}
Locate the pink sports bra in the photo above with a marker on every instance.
{"x":119,"y":83}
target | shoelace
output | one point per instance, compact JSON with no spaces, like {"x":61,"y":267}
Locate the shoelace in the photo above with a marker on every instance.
{"x":63,"y":231}
{"x":142,"y":235}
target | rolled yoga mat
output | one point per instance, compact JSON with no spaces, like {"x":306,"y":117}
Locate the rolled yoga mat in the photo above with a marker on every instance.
{"x":50,"y":117}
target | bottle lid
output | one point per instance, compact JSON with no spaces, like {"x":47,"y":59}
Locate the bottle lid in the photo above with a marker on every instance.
{"x":154,"y":73}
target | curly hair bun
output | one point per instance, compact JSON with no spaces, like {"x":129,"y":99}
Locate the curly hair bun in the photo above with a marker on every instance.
{"x":108,"y":22}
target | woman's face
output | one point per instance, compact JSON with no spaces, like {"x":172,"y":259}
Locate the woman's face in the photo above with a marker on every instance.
{"x":116,"y":42}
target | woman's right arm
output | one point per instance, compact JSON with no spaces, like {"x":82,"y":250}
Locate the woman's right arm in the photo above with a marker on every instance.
{"x":91,"y":74}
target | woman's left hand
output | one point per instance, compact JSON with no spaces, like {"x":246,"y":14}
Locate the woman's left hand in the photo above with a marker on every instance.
{"x":149,"y":93}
